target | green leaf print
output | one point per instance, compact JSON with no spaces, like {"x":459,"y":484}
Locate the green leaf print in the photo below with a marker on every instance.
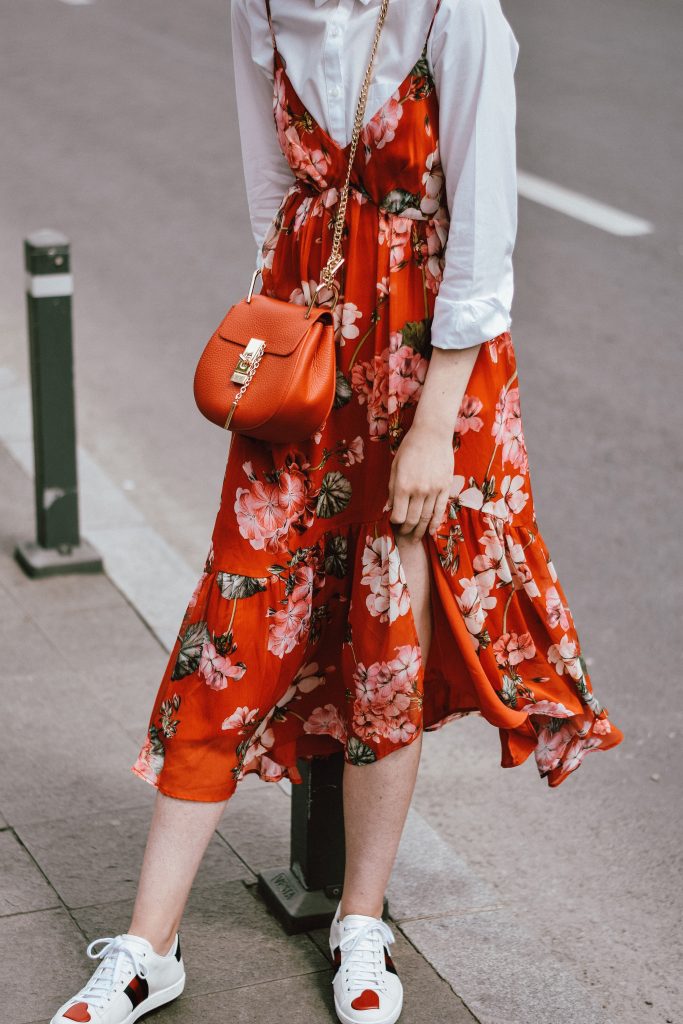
{"x":508,"y":694}
{"x":418,"y":335}
{"x":233,"y":586}
{"x":337,"y":557}
{"x":399,"y":200}
{"x":335,"y":494}
{"x":359,"y":753}
{"x":189,"y":655}
{"x":342,"y":392}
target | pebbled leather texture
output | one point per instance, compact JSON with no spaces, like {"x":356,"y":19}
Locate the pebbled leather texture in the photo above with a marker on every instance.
{"x":292,"y":391}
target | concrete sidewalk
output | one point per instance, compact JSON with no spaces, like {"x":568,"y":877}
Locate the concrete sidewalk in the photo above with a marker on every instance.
{"x":79,"y":672}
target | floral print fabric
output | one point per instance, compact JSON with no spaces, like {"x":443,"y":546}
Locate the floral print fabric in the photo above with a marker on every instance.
{"x":299,"y":638}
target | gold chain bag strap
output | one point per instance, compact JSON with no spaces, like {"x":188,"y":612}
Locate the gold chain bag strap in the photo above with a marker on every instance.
{"x":269,"y":369}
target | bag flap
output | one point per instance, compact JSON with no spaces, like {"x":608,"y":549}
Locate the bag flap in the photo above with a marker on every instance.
{"x":282,"y":325}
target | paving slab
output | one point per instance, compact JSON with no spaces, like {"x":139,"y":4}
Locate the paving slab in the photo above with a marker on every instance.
{"x":229,"y":939}
{"x":502,"y":972}
{"x":23,"y":887}
{"x":96,"y":858}
{"x":62,"y":752}
{"x":41,"y":965}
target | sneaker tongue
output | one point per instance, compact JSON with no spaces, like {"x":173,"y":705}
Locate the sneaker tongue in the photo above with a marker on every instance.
{"x":137,"y":940}
{"x":357,"y":920}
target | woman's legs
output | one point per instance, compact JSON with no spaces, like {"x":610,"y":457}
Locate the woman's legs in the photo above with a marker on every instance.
{"x":178,"y":836}
{"x":377,"y":796}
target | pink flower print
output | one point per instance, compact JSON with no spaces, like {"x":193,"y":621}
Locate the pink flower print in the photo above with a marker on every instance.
{"x":511,"y":490}
{"x":467,"y":497}
{"x":270,"y":770}
{"x":345,"y":316}
{"x":263,"y":739}
{"x":383,"y":697}
{"x":406,"y":664}
{"x":565,"y":655}
{"x":304,"y":162}
{"x":551,"y":746}
{"x":577,"y":750}
{"x":302,"y":212}
{"x":513,"y":648}
{"x":507,"y":429}
{"x":217,"y":669}
{"x":260,"y":514}
{"x":436,"y":234}
{"x":280,"y":103}
{"x":602,"y":726}
{"x":407,"y":373}
{"x":548,"y":707}
{"x":520,"y":570}
{"x":240,"y":719}
{"x":470,"y":605}
{"x":557,"y":613}
{"x":288,"y":626}
{"x":382,"y":128}
{"x":468,"y":418}
{"x":326,"y":721}
{"x":492,"y":560}
{"x":353,"y":452}
{"x":383,"y":574}
{"x":395,"y":232}
{"x":433,"y":181}
{"x":302,"y":296}
{"x":309,"y":677}
{"x":292,"y":498}
{"x":383,"y":286}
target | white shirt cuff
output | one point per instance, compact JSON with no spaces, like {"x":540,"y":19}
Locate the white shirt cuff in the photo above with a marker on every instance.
{"x":468,"y":322}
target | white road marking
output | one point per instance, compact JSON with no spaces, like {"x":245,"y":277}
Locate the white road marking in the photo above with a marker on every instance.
{"x":77,"y":3}
{"x":581,"y":207}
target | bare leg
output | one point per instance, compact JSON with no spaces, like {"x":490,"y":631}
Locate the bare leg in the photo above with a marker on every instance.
{"x":377,"y":796}
{"x":178,"y":836}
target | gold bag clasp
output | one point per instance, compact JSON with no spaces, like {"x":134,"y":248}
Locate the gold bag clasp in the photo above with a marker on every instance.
{"x":252,"y":351}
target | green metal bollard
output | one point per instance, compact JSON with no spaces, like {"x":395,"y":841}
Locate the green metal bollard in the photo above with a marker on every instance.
{"x":49,"y":287}
{"x":305,"y":895}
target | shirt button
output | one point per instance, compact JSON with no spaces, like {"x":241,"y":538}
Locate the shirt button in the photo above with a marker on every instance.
{"x":335,"y":91}
{"x":334,"y":30}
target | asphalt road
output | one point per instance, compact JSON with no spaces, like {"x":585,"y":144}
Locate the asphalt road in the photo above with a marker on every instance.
{"x":118,"y":127}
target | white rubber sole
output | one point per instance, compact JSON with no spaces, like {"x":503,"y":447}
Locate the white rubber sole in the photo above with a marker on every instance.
{"x":153,"y":1002}
{"x":345,"y":1019}
{"x":166,"y":995}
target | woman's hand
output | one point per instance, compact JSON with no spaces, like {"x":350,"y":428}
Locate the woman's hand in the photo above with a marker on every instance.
{"x":422,"y":470}
{"x":420,"y":480}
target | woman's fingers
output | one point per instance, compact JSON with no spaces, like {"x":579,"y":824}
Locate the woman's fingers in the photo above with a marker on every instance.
{"x":414,"y":510}
{"x":439,"y":510}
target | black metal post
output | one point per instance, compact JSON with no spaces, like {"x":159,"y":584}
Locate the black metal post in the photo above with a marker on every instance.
{"x":305,"y":895}
{"x":49,"y":287}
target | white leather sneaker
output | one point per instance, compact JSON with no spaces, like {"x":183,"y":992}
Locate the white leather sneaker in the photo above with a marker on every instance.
{"x":366,"y":984}
{"x":132,"y":979}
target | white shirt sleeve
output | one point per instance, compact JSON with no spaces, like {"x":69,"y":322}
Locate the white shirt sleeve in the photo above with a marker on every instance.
{"x":473,"y":53}
{"x":267,"y":175}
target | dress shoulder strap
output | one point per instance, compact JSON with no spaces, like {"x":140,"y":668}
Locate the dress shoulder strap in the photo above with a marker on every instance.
{"x":270,"y":24}
{"x":431,"y":23}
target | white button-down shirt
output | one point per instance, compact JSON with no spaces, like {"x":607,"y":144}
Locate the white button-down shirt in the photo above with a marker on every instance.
{"x":472,"y":55}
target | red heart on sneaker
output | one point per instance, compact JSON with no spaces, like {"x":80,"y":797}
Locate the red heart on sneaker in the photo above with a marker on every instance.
{"x":367,"y":1000}
{"x":79,"y":1012}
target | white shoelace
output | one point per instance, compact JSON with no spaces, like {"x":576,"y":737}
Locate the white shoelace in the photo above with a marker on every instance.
{"x":364,"y":959}
{"x":114,"y":955}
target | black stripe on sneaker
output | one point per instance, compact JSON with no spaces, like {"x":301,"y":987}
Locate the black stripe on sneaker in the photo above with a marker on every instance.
{"x":177,"y":949}
{"x":137,"y":990}
{"x":389,"y":963}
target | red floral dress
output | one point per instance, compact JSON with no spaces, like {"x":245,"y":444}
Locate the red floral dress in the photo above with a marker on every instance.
{"x":299,"y":638}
